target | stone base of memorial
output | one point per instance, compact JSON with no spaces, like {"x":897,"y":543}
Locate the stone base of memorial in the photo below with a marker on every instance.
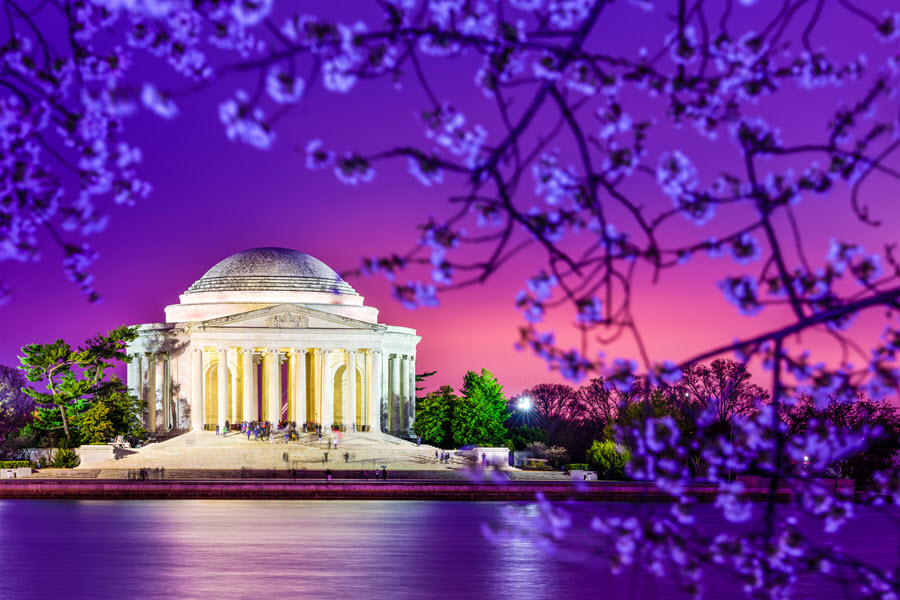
{"x":15,"y":473}
{"x":91,"y":455}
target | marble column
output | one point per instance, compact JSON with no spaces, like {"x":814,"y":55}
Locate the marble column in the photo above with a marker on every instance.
{"x":411,"y":407}
{"x":233,"y":356}
{"x":134,"y":377}
{"x":137,"y":373}
{"x":376,"y":397}
{"x":404,"y":395}
{"x":284,"y":387}
{"x":394,"y":396}
{"x":384,"y":414}
{"x":254,"y":401}
{"x":197,"y":389}
{"x":162,"y":417}
{"x":327,"y":385}
{"x":151,"y":392}
{"x":315,"y":372}
{"x":350,"y":414}
{"x":273,"y":382}
{"x":299,"y":367}
{"x":246,"y":356}
{"x":222,"y":405}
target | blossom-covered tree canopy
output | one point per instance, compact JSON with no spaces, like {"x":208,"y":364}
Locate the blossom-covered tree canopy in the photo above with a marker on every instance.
{"x":16,"y":407}
{"x":618,"y":141}
{"x":592,"y":145}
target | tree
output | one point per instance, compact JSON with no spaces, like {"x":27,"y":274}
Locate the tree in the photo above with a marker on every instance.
{"x":16,"y":407}
{"x":608,"y":459}
{"x":723,"y":387}
{"x":521,"y":437}
{"x":599,"y":401}
{"x":480,"y":412}
{"x":557,"y":455}
{"x":551,"y":407}
{"x":657,"y":404}
{"x":73,"y":375}
{"x":878,"y":422}
{"x":552,"y":401}
{"x":434,"y":413}
{"x":113,"y":411}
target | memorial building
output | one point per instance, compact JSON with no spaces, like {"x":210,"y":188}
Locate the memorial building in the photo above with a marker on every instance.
{"x":272,"y":334}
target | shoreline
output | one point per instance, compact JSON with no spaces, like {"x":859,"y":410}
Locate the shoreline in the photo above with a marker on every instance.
{"x":395,"y":488}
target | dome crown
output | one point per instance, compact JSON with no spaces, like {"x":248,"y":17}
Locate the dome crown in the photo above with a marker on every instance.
{"x":275,"y":269}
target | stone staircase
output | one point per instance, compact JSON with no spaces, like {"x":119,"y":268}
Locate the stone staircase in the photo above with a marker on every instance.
{"x":205,"y":450}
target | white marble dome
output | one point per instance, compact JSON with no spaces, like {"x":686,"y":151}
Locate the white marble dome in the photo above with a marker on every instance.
{"x":262,"y":277}
{"x":262,"y":269}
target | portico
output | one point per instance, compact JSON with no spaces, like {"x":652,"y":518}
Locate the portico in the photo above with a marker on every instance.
{"x":273,"y":334}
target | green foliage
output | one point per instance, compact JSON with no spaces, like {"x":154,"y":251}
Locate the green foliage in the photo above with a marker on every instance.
{"x":113,"y":411}
{"x":72,"y":375}
{"x":480,"y":412}
{"x":64,"y":457}
{"x":434,"y":416}
{"x":522,"y":436}
{"x":577,"y":467}
{"x":47,"y":426}
{"x":608,"y":459}
{"x":94,"y":424}
{"x":14,"y":464}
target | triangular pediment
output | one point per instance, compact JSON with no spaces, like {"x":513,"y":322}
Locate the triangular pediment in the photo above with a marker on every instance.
{"x":286,"y":316}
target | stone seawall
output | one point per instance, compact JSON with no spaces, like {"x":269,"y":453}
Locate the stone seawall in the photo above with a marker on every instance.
{"x":348,"y":490}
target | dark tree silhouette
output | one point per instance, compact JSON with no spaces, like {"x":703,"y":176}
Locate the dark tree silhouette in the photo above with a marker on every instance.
{"x":552,"y":401}
{"x":600,"y":401}
{"x":723,"y":386}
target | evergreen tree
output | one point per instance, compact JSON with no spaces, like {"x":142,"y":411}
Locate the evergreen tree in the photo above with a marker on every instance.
{"x":479,"y":415}
{"x":113,"y":411}
{"x":434,"y":416}
{"x":73,"y":375}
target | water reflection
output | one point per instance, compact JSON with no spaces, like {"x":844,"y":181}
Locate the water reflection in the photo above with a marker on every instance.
{"x":319,"y":549}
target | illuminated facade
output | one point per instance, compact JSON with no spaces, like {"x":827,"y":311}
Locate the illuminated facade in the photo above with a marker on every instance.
{"x":272,"y":334}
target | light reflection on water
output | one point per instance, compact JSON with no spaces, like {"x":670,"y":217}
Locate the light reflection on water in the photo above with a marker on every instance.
{"x":391,"y":550}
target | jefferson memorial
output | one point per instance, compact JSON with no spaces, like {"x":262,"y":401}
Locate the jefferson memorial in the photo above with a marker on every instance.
{"x":272,"y":334}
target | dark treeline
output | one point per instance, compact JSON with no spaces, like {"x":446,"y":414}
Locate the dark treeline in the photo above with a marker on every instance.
{"x":707,"y":397}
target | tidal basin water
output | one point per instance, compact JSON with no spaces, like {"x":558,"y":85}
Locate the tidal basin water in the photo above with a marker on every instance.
{"x":336,"y":550}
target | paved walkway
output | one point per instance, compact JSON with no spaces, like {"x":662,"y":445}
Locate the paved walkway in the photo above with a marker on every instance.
{"x":206,"y":450}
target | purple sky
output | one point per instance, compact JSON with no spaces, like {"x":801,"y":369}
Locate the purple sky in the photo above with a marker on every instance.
{"x":213,"y":197}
